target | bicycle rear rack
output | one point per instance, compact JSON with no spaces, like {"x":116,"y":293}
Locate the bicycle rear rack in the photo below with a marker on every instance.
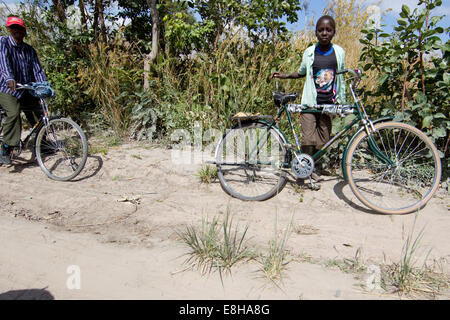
{"x":245,"y":117}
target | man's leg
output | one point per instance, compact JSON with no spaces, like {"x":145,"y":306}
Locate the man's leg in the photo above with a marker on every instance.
{"x":12,"y":127}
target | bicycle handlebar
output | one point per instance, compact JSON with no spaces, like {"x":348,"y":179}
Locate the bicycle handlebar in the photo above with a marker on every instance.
{"x":357,"y":73}
{"x":23,"y":86}
{"x":38,"y":89}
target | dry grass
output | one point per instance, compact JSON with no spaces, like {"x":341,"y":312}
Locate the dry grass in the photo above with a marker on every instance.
{"x":351,"y":17}
{"x":103,"y":76}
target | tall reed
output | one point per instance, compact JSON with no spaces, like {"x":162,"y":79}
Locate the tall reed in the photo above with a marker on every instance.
{"x":107,"y":76}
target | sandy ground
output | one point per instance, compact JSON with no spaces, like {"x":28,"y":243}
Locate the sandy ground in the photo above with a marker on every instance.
{"x":112,"y":234}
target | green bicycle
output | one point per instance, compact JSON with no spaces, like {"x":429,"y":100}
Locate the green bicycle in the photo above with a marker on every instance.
{"x":391,"y":167}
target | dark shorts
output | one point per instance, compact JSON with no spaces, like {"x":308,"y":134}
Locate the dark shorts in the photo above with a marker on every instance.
{"x":316,"y":129}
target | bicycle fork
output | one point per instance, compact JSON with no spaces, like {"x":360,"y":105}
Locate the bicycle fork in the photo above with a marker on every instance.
{"x":370,"y":129}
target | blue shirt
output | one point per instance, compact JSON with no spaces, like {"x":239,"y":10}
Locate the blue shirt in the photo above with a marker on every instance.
{"x":19,"y":63}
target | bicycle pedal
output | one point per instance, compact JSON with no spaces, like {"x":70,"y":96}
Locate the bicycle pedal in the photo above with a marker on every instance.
{"x":314,"y":186}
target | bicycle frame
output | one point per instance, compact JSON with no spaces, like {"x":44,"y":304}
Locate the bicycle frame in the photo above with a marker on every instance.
{"x":361,"y":118}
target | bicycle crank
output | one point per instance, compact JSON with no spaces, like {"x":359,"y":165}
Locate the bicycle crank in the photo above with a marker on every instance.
{"x":302,"y":165}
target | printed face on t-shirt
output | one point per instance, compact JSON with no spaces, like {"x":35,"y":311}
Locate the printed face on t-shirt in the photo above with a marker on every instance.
{"x":324,"y":80}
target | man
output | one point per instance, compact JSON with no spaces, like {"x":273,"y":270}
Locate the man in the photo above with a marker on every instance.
{"x":19,"y":63}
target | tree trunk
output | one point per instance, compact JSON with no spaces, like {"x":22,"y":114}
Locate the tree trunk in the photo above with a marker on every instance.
{"x":99,"y":21}
{"x":149,"y":58}
{"x":102,"y":20}
{"x":60,"y":11}
{"x":95,"y":22}
{"x":83,"y":15}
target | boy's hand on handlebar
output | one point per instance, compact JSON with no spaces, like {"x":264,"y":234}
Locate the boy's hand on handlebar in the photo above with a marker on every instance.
{"x":277,"y":74}
{"x":12,"y":85}
{"x":294,"y":75}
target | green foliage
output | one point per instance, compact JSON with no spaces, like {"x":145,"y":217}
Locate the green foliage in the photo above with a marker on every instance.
{"x":140,"y":27}
{"x":184,"y":36}
{"x":212,"y":88}
{"x":145,"y":116}
{"x":261,"y":18}
{"x":413,"y":72}
{"x":99,"y":81}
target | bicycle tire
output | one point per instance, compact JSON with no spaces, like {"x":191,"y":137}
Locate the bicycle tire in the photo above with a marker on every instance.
{"x":404,"y":186}
{"x":61,"y":149}
{"x":246,"y":176}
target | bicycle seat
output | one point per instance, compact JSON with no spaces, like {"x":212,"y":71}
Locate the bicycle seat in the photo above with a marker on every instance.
{"x":281,"y":98}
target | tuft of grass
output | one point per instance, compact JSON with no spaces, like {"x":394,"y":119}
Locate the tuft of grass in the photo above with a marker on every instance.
{"x":106,"y":75}
{"x":299,"y":190}
{"x":355,"y":265}
{"x":207,"y":174}
{"x":203,"y":243}
{"x":274,"y":263}
{"x":408,"y":279}
{"x":217,"y":245}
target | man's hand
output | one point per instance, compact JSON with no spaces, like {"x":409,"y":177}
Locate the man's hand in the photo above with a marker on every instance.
{"x":12,"y":85}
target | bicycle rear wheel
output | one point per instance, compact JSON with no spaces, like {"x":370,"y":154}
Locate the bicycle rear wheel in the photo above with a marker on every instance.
{"x":250,"y":161}
{"x":61,"y":149}
{"x":402,"y":184}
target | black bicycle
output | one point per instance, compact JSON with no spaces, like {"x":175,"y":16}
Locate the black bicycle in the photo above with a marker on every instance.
{"x":59,"y":144}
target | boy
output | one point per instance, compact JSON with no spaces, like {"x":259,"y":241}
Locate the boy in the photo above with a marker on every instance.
{"x":319,"y":64}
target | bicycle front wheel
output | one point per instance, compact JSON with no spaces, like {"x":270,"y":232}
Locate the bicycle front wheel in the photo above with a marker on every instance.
{"x":394,"y":170}
{"x":61,"y":149}
{"x":250,"y":160}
